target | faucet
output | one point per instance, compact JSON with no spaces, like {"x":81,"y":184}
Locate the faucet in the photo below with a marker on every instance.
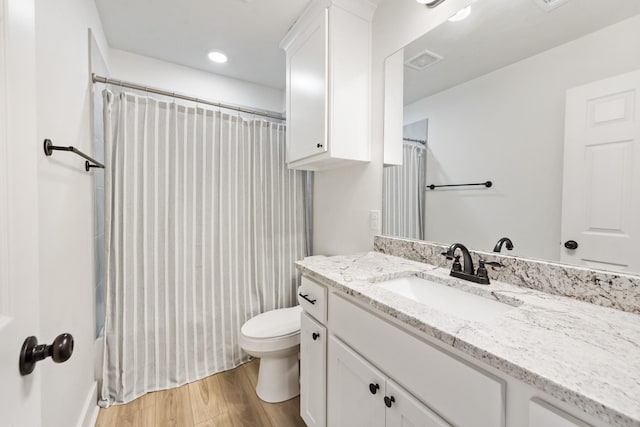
{"x":466,"y":256}
{"x":508,"y":244}
{"x":467,"y":272}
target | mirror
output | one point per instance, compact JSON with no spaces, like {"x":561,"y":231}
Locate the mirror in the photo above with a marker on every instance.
{"x":541,"y":99}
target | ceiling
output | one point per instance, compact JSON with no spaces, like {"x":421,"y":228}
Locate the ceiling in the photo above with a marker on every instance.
{"x":502,"y":32}
{"x":184,"y":31}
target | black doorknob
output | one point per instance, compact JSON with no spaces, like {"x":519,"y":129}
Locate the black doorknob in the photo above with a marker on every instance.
{"x":315,"y":335}
{"x":319,"y":145}
{"x":389,"y":401}
{"x":60,"y":351}
{"x":571,"y":244}
{"x":373,"y":388}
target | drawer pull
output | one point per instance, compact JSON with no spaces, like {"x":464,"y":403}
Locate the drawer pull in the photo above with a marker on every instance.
{"x":305,"y":297}
{"x":373,"y":388}
{"x":389,"y":401}
{"x":315,"y":335}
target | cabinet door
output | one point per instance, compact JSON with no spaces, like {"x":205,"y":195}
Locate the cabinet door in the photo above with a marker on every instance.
{"x":356,"y":389}
{"x":307,"y":115}
{"x":407,"y":411}
{"x":313,"y":371}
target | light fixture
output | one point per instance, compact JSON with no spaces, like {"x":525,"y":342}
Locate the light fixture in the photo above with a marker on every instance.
{"x":461,"y":14}
{"x":218,"y":57}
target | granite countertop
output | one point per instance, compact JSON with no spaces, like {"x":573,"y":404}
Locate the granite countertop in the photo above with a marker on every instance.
{"x":580,"y":353}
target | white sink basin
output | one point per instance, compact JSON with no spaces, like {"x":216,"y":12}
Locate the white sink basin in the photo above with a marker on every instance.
{"x":447,"y":299}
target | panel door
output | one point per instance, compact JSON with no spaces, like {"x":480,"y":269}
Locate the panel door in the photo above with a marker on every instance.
{"x":307,"y":77}
{"x":356,"y":389}
{"x":601,"y":185}
{"x":407,"y":411}
{"x":19,"y":395}
{"x":313,"y":372}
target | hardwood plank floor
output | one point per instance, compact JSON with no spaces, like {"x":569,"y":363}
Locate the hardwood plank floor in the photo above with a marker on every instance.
{"x":227,"y":399}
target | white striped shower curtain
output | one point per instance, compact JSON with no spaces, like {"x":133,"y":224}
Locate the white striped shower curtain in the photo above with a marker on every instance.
{"x":203,"y":222}
{"x":403,"y":194}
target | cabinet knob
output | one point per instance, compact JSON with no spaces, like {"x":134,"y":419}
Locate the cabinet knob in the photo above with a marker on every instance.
{"x":315,"y":335}
{"x":389,"y":401}
{"x":571,"y":244}
{"x":319,"y":145}
{"x":373,"y":388}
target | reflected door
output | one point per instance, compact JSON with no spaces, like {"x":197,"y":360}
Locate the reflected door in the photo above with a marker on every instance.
{"x":601,"y":187}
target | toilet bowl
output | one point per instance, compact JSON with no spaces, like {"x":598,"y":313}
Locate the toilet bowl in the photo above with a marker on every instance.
{"x":274,"y":337}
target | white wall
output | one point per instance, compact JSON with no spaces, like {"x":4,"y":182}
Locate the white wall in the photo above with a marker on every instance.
{"x":343,"y":197}
{"x":66,"y":212}
{"x":508,"y":127}
{"x":177,"y":78}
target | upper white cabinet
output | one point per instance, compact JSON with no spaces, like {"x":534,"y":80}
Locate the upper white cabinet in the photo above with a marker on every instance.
{"x":328,"y":84}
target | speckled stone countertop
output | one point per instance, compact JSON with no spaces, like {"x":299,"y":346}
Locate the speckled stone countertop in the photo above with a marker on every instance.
{"x":580,"y":353}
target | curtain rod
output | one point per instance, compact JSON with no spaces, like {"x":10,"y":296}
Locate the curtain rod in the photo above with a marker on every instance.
{"x":419,"y":141}
{"x":100,"y":79}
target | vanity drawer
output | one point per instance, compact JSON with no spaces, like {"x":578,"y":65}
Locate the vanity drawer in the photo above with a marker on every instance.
{"x":542,"y":414}
{"x":463,"y":395}
{"x":312,"y":296}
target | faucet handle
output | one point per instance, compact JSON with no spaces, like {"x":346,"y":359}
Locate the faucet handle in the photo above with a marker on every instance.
{"x":482,"y":269}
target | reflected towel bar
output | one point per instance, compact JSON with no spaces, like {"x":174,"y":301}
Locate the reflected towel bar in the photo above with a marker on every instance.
{"x":88,"y":164}
{"x":486,"y":184}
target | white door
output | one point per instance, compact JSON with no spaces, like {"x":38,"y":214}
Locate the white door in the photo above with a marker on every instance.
{"x":407,"y":411}
{"x":313,"y":372}
{"x":601,"y":184}
{"x":356,"y":390}
{"x":19,"y":396}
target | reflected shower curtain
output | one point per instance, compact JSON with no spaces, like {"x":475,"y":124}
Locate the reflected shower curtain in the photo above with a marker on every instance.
{"x":403,"y":194}
{"x":203,"y":224}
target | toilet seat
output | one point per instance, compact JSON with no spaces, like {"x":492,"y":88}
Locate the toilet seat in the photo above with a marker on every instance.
{"x":274,"y":323}
{"x":272,"y":331}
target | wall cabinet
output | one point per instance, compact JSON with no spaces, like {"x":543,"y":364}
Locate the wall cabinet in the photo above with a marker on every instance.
{"x":328,"y":71}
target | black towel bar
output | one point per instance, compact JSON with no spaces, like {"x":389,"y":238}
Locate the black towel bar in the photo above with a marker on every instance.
{"x":90,"y":163}
{"x":486,"y":184}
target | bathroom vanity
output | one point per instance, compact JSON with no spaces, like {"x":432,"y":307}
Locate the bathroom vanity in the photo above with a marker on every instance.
{"x":386,"y":341}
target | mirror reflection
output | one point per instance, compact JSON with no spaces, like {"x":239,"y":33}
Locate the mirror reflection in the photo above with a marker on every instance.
{"x":539,"y":98}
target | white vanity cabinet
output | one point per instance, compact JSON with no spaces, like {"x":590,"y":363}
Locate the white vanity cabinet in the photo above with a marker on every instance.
{"x":353,"y":356}
{"x":360,"y":395}
{"x":328,"y":71}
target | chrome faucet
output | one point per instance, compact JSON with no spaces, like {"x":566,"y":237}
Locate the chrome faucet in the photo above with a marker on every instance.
{"x":467,"y":271}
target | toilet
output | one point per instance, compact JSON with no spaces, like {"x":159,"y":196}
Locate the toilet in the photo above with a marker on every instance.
{"x":274,"y":337}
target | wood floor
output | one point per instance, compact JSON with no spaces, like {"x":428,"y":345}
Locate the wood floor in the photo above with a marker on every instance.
{"x":222,"y":400}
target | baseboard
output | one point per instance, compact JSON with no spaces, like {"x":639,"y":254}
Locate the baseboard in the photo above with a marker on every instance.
{"x":90,"y":409}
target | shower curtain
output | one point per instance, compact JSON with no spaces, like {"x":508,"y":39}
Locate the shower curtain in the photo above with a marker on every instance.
{"x":403,"y":194}
{"x":203,"y":223}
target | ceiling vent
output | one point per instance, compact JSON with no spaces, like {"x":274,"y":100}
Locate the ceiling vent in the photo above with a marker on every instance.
{"x":423,"y":60}
{"x":549,"y":5}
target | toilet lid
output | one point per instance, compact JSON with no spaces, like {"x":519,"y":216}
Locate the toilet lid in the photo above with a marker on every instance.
{"x":274,"y":323}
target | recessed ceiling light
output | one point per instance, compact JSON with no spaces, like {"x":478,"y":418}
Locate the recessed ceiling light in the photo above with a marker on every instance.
{"x":218,"y":57}
{"x":461,"y":14}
